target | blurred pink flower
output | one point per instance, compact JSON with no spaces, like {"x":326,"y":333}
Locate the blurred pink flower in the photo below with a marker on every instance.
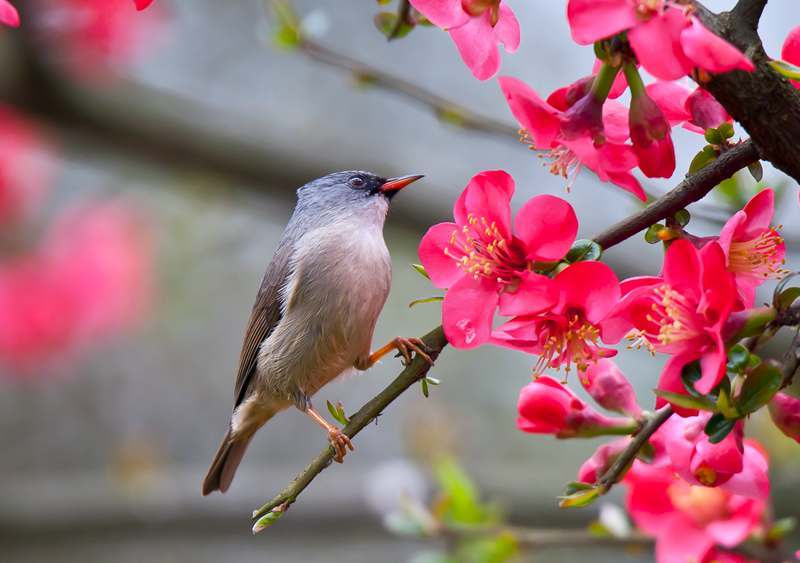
{"x":25,"y":168}
{"x":485,"y":264}
{"x":667,"y":42}
{"x":95,"y":35}
{"x":607,"y":385}
{"x":601,"y":460}
{"x":8,"y":14}
{"x":753,"y":248}
{"x":91,"y":277}
{"x":547,"y":407}
{"x":688,"y":521}
{"x":476,"y":27}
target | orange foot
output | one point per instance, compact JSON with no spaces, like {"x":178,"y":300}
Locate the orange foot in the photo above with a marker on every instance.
{"x":404,"y":347}
{"x":340,"y":443}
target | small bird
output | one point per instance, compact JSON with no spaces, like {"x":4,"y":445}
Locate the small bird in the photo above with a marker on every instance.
{"x":316,"y":310}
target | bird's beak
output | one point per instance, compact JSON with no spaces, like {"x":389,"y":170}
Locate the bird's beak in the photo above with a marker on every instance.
{"x":393,"y":185}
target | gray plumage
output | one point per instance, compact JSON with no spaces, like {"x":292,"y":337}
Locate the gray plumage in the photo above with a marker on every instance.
{"x":316,"y":310}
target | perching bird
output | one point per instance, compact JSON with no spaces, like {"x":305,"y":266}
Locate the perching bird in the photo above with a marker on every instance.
{"x":316,"y":310}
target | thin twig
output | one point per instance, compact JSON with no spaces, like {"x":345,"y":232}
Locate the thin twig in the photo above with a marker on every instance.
{"x":414,"y":372}
{"x":692,"y":189}
{"x":620,"y":466}
{"x":446,"y":110}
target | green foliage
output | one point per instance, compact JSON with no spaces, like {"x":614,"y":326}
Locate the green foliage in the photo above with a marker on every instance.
{"x":786,"y":69}
{"x":337,"y":412}
{"x":685,"y":401}
{"x":584,"y":249}
{"x":578,"y":494}
{"x":432,"y":299}
{"x":386,"y":22}
{"x":760,"y":386}
{"x":651,"y":235}
{"x":706,"y":156}
{"x":420,"y":269}
{"x":718,"y":427}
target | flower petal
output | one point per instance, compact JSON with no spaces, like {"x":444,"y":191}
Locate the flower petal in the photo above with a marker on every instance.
{"x":533,"y":294}
{"x":506,"y":30}
{"x":442,"y":13}
{"x":791,"y":50}
{"x":671,"y":98}
{"x":711,"y":52}
{"x":589,"y":286}
{"x":535,"y":115}
{"x":682,"y":268}
{"x":8,"y":14}
{"x":487,"y":196}
{"x":468,"y":310}
{"x":547,"y":225}
{"x":442,"y":269}
{"x":657,"y":45}
{"x":592,"y":20}
{"x":759,"y":211}
{"x":477,"y":46}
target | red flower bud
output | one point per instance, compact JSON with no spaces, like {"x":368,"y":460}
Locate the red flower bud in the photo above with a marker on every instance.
{"x":705,"y":110}
{"x":548,"y":407}
{"x":785,"y":412}
{"x":651,"y":139}
{"x":584,"y":116}
{"x":601,"y":460}
{"x":607,"y":385}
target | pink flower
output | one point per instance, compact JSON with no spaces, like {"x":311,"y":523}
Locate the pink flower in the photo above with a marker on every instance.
{"x":734,"y":462}
{"x":681,"y":313}
{"x":95,"y":35}
{"x":791,"y":50}
{"x":25,"y":167}
{"x":607,"y":385}
{"x":668,"y":43}
{"x":688,"y":521}
{"x":545,"y":121}
{"x":650,"y":133}
{"x":601,"y":460}
{"x":486,"y":265}
{"x":568,"y":333}
{"x":697,"y":110}
{"x":476,"y":27}
{"x":548,"y":407}
{"x":785,"y":412}
{"x":8,"y":14}
{"x":91,"y":277}
{"x":753,"y":248}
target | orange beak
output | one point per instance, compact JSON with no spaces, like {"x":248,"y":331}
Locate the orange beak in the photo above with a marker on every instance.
{"x":397,"y":184}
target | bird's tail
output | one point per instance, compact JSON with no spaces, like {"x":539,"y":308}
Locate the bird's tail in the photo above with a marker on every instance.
{"x":226,"y":461}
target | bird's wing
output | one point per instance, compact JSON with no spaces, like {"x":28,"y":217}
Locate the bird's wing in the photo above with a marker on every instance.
{"x":265,"y":316}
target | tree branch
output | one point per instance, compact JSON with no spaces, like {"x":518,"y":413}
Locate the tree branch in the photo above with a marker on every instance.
{"x":692,"y":189}
{"x":413,"y":373}
{"x":620,"y":466}
{"x":446,"y":110}
{"x":764,"y":102}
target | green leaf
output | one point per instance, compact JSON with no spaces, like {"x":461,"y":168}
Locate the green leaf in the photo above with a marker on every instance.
{"x":685,"y":401}
{"x":420,"y":269}
{"x":702,"y":159}
{"x":756,"y":170}
{"x":738,"y":357}
{"x":424,"y":383}
{"x":286,"y":37}
{"x":463,"y":505}
{"x":682,"y":217}
{"x":781,"y":528}
{"x":267,"y":520}
{"x":584,"y":249}
{"x":337,"y":412}
{"x":386,"y":23}
{"x":651,"y":234}
{"x":425,"y":300}
{"x":724,"y":404}
{"x":786,"y":297}
{"x":691,"y":374}
{"x":579,"y":498}
{"x":732,"y":191}
{"x":718,"y":427}
{"x":714,"y":137}
{"x":786,"y":69}
{"x":760,"y":386}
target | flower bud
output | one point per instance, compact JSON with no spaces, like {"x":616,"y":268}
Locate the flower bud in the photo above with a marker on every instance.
{"x":607,"y":385}
{"x":647,"y":121}
{"x":601,"y":460}
{"x":705,"y":110}
{"x":547,"y":407}
{"x":785,"y":412}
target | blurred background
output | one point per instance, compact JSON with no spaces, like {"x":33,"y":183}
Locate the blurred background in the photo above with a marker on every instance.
{"x":148,"y":163}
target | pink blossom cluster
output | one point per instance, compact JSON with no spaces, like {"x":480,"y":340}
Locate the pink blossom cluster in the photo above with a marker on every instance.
{"x":88,"y":276}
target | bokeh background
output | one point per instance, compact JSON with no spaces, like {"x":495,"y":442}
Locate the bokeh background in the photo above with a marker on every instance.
{"x":148,"y":165}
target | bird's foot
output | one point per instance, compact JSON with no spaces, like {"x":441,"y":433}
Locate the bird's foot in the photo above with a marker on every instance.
{"x":340,"y":442}
{"x":405,"y":346}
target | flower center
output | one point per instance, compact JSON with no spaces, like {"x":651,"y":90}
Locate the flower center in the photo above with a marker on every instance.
{"x":480,"y":249}
{"x":761,"y":256}
{"x":570,"y":340}
{"x":675,"y":315}
{"x":703,"y":504}
{"x":560,"y":161}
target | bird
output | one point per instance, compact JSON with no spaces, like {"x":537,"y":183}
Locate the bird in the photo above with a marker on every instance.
{"x":315,"y":311}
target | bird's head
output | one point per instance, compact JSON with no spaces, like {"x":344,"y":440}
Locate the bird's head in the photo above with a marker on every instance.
{"x":352,"y":191}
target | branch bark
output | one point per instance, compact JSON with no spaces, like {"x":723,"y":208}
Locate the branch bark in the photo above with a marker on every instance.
{"x":692,"y":189}
{"x":764,"y":102}
{"x":413,"y":373}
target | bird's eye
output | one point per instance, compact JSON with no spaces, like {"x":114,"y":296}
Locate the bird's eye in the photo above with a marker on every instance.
{"x":356,"y":182}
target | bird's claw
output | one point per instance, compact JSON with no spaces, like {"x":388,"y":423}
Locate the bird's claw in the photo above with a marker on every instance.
{"x":406,"y":345}
{"x":340,"y":442}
